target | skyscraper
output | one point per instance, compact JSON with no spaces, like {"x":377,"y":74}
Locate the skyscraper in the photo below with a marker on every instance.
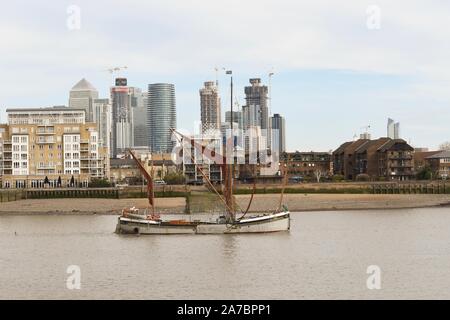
{"x":161,"y":116}
{"x":140,"y":126}
{"x":101,"y":115}
{"x":256,"y":111}
{"x":210,"y":107}
{"x":122,"y":136}
{"x":237,"y":118}
{"x":393,"y":129}
{"x":82,"y":96}
{"x":278,"y":133}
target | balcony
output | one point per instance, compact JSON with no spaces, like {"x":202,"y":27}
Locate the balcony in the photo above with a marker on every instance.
{"x":7,"y":142}
{"x":45,"y":133}
{"x":46,"y":141}
{"x":400,"y":157}
{"x":46,"y":167}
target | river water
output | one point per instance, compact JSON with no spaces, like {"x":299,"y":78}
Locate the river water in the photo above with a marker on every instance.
{"x":325,"y":255}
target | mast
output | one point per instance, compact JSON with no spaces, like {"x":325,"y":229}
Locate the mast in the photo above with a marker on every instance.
{"x":150,"y":191}
{"x":229,"y":172}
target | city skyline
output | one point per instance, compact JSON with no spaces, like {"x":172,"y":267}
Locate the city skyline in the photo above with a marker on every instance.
{"x":333,"y":75}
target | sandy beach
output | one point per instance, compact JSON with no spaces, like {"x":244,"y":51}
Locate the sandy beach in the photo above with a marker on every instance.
{"x":267,"y":202}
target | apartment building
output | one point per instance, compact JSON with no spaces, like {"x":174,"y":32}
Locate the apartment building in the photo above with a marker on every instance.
{"x":196,"y":163}
{"x":50,"y":147}
{"x":390,"y":159}
{"x":440,"y":164}
{"x":305,"y":164}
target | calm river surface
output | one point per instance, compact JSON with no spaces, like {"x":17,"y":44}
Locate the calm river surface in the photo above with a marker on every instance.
{"x":325,"y":255}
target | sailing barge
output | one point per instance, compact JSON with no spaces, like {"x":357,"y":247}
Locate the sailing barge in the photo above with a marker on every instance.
{"x":131,"y":222}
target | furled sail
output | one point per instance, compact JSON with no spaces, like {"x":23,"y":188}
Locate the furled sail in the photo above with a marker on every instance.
{"x":150,"y":191}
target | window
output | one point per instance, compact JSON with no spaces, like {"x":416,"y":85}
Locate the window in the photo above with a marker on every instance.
{"x":67,"y":155}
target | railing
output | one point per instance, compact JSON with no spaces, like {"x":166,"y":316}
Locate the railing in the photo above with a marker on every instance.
{"x":46,"y":167}
{"x":45,"y":141}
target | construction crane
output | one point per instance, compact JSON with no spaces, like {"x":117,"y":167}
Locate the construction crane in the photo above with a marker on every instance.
{"x":365,"y":134}
{"x":115,"y":70}
{"x":216,"y":69}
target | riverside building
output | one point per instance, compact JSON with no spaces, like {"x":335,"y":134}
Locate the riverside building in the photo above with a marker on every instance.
{"x":49,"y":148}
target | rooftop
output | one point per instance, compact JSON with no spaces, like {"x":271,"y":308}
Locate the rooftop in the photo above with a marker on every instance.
{"x":440,"y":155}
{"x":44,"y":109}
{"x":83,"y":85}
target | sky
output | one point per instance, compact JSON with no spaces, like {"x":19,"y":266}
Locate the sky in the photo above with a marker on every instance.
{"x":339,"y":67}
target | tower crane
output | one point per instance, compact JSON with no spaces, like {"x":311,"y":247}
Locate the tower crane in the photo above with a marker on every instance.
{"x":113,"y":70}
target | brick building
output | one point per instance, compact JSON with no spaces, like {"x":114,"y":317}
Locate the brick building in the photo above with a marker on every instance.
{"x":305,"y":164}
{"x":391,"y":159}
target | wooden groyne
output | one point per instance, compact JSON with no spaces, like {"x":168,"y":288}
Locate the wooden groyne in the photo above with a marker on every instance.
{"x":412,"y":188}
{"x":12,"y":195}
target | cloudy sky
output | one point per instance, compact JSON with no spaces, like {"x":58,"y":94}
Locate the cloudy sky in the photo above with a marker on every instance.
{"x":335,"y":71}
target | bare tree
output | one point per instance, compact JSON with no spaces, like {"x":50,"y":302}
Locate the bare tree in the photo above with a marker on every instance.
{"x":318,"y":174}
{"x":445,"y":146}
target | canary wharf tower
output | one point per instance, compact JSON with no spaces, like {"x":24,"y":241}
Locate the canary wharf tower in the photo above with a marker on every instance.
{"x":161,"y":110}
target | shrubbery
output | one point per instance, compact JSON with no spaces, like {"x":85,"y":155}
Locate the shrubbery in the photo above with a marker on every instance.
{"x":338,"y":178}
{"x":174,"y":178}
{"x":425,"y":174}
{"x":362,"y":177}
{"x":99,"y":183}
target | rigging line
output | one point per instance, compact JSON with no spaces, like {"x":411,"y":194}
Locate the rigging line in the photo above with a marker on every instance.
{"x":282,"y":192}
{"x":203,"y":174}
{"x":250,"y":202}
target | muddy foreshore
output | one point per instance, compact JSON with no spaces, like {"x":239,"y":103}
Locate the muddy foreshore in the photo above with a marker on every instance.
{"x":261,"y":203}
